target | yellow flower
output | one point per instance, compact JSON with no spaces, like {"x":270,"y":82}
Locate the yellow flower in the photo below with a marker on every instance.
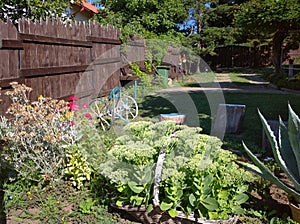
{"x":69,"y":114}
{"x":28,"y":193}
{"x":41,"y":97}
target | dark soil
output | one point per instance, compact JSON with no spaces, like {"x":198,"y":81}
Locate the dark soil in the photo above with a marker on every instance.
{"x":273,"y":200}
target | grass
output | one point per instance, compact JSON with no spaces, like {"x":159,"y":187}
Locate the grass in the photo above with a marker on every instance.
{"x":200,"y":109}
{"x":239,"y":79}
{"x":54,"y":204}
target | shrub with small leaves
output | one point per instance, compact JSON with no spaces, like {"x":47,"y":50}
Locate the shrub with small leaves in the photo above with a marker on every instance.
{"x":40,"y":131}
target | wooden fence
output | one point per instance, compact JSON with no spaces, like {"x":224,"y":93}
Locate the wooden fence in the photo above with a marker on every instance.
{"x":60,"y":59}
{"x":239,"y":56}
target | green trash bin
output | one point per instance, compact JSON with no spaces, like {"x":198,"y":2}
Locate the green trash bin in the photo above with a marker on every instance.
{"x":163,"y":72}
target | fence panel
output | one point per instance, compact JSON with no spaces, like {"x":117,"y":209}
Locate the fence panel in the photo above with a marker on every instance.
{"x":59,"y":59}
{"x":9,"y":48}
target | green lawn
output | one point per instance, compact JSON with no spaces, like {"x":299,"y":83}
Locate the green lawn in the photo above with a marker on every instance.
{"x":198,"y":109}
{"x":239,"y":79}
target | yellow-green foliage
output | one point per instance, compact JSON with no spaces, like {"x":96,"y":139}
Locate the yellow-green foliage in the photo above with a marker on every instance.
{"x":198,"y":175}
{"x":77,"y":168}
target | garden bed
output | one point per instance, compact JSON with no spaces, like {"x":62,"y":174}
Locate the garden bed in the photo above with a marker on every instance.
{"x":157,"y":216}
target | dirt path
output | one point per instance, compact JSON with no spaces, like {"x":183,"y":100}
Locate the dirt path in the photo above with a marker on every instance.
{"x":256,"y":85}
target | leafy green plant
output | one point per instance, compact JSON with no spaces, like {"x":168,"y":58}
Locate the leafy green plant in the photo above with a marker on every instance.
{"x":286,"y":154}
{"x":198,"y":176}
{"x":77,"y":168}
{"x":173,"y":189}
{"x":146,"y":79}
{"x":86,"y":206}
{"x":59,"y":203}
{"x":216,"y":186}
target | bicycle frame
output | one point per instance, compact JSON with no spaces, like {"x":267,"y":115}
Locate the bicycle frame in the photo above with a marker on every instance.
{"x":123,"y":107}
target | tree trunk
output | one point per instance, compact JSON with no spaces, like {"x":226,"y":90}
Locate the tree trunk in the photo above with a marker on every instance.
{"x":277,"y":43}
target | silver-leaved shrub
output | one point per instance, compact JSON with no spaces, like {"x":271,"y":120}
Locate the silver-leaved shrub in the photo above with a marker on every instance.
{"x":40,"y":131}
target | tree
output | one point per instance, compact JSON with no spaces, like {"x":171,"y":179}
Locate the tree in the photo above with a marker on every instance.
{"x":212,"y":25}
{"x":148,"y":18}
{"x":32,"y":9}
{"x":277,"y":18}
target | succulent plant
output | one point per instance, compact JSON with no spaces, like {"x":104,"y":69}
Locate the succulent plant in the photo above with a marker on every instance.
{"x":286,"y":151}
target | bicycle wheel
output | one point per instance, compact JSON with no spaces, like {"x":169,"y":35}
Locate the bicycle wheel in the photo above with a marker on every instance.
{"x":100,"y":109}
{"x":126,"y":108}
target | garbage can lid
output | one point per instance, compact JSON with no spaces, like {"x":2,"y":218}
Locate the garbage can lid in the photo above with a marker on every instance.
{"x":162,"y":67}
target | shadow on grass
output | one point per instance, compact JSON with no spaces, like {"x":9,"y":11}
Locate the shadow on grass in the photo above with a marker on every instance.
{"x":199,"y":84}
{"x":255,"y":78}
{"x":271,"y":105}
{"x":194,"y":105}
{"x":154,"y":105}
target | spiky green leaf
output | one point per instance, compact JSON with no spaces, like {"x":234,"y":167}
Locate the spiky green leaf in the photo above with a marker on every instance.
{"x":269,"y":175}
{"x":288,"y":155}
{"x":294,"y":135}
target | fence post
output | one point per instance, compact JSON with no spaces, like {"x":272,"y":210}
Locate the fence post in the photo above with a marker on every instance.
{"x":291,"y":62}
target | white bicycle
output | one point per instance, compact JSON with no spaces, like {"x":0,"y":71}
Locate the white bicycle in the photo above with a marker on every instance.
{"x":115,"y":106}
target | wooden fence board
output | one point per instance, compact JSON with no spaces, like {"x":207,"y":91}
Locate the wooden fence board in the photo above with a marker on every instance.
{"x":60,"y":59}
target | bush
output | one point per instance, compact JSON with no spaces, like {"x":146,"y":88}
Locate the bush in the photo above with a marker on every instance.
{"x":198,"y":176}
{"x":40,"y":131}
{"x":284,"y":82}
{"x":48,"y":138}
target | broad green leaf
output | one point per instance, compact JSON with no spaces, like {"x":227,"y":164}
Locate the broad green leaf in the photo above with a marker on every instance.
{"x":148,"y":176}
{"x":210,"y":203}
{"x":207,"y":180}
{"x":237,"y":210}
{"x":223,"y":194}
{"x":192,"y":199}
{"x":119,"y":203}
{"x":179,"y":193}
{"x":165,"y":206}
{"x":135,"y":188}
{"x":173,"y":213}
{"x":206,"y":185}
{"x":149,"y":208}
{"x":241,"y":198}
{"x":137,"y":199}
{"x":189,"y":210}
{"x":242,"y":188}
